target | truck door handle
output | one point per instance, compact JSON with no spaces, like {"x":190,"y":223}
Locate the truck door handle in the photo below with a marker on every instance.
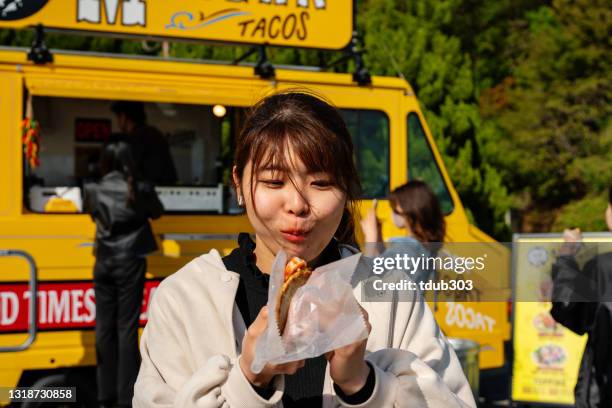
{"x":33,"y":286}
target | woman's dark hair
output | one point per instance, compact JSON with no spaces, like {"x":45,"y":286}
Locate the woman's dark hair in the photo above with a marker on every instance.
{"x":117,"y":156}
{"x":610,"y":195}
{"x":420,"y":207}
{"x":314,"y":129}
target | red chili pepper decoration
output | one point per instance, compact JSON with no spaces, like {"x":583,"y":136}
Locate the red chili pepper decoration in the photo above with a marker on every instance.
{"x":30,"y":131}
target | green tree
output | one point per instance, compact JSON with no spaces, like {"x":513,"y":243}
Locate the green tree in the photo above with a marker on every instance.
{"x":551,"y":117}
{"x":419,"y":42}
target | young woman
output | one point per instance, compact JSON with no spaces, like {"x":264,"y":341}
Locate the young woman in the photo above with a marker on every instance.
{"x":295,"y":176}
{"x":120,"y":207}
{"x":417,"y":209}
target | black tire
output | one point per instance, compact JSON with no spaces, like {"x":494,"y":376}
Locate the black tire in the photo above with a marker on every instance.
{"x":85,"y":390}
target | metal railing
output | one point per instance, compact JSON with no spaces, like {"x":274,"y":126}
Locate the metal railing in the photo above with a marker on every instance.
{"x":33,"y":309}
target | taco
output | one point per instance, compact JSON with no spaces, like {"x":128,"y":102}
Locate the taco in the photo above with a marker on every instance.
{"x":296,"y":276}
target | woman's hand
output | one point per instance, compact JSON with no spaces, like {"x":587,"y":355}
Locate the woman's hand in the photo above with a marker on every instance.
{"x":262,"y":379}
{"x":372,"y":232}
{"x":571,"y":238}
{"x":370,"y":225}
{"x":347,"y":366}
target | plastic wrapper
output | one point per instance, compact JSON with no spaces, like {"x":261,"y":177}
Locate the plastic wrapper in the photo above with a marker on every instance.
{"x":324,"y":315}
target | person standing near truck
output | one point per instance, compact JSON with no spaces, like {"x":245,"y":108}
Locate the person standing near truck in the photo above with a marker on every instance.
{"x":582,"y":302}
{"x":121,"y":207}
{"x":416,"y":209}
{"x":150,"y":149}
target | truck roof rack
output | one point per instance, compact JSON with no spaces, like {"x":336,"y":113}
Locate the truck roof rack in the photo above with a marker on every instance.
{"x":40,"y":54}
{"x":59,"y":51}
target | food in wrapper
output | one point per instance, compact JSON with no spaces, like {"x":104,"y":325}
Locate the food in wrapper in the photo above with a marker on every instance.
{"x":319,"y":315}
{"x":296,"y":276}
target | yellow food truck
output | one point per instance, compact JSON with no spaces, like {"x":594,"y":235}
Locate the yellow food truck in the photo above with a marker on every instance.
{"x":45,"y":238}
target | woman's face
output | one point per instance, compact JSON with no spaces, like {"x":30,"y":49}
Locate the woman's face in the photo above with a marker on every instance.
{"x":609,"y":217}
{"x":296,"y":210}
{"x":398,"y":220}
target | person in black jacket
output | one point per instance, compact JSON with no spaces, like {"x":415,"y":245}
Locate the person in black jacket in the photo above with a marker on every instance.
{"x":582,"y":302}
{"x":150,"y":150}
{"x":121,"y":207}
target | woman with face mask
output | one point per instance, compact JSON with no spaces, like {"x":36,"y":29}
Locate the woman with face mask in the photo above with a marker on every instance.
{"x":294,"y":175}
{"x":416,"y":209}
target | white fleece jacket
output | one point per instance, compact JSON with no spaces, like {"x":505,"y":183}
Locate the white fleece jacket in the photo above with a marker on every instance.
{"x":192,"y":342}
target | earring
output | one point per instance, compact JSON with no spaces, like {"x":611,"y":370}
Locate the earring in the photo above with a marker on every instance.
{"x":240,"y":201}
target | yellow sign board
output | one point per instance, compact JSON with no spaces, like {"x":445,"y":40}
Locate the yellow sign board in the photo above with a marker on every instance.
{"x":546,"y":355}
{"x":324,"y":24}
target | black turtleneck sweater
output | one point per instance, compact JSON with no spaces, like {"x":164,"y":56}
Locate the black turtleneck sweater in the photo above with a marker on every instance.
{"x":305,"y":387}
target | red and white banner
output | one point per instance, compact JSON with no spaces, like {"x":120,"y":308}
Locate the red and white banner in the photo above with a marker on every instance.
{"x":61,"y":305}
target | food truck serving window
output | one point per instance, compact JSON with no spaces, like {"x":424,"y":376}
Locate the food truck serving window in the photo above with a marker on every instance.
{"x":184,"y":149}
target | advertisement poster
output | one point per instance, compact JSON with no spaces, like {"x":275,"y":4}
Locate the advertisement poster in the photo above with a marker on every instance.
{"x":546,"y":355}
